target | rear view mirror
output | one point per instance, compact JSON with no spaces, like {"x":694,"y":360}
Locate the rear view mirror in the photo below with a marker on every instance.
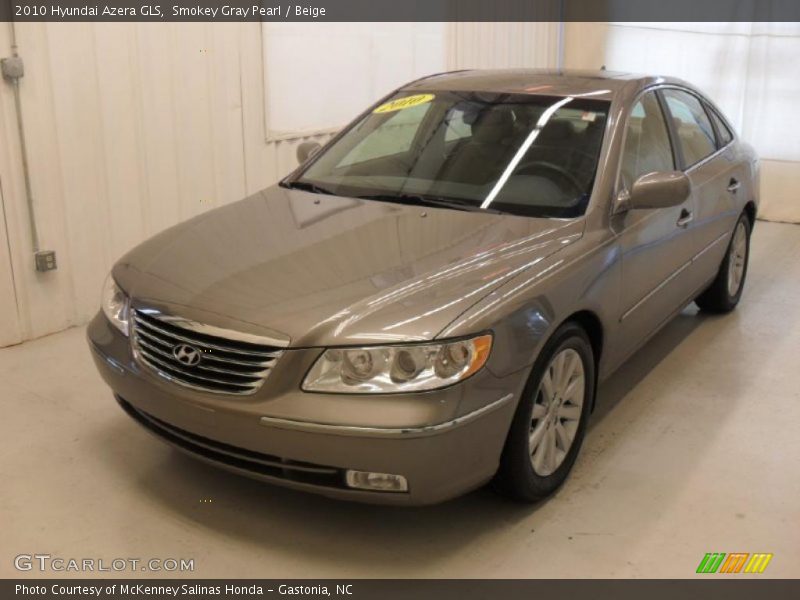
{"x":306,"y":150}
{"x":660,"y":190}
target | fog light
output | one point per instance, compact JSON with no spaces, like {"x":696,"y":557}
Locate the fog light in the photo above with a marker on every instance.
{"x":381,"y":482}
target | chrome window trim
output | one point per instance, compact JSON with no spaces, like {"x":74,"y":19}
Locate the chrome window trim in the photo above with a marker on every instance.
{"x":383,"y":432}
{"x":708,"y":158}
{"x":703,"y":101}
{"x":614,"y":205}
{"x":714,"y":112}
{"x":624,"y":125}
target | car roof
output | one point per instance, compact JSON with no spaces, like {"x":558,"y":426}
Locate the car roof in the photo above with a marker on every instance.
{"x":600,"y":84}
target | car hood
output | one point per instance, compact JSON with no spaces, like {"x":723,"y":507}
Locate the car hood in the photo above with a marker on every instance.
{"x":320,"y":270}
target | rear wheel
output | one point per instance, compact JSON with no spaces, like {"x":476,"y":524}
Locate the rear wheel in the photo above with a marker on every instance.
{"x":550,"y":422}
{"x":724,"y":293}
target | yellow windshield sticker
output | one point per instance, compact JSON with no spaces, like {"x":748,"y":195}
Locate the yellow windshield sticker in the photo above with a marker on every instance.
{"x":403,"y":103}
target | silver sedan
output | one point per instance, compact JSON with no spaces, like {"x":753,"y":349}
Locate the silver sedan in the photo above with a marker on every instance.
{"x":429,"y":302}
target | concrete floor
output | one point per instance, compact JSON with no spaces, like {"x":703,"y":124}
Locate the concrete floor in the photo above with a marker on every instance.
{"x":693,"y":449}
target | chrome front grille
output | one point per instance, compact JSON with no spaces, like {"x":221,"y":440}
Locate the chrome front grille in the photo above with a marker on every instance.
{"x":180,"y":351}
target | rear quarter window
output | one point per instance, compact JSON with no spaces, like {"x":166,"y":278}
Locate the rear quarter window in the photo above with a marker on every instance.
{"x":724,"y":134}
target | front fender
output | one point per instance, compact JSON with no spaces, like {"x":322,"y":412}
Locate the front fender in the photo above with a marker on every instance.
{"x":526,"y":311}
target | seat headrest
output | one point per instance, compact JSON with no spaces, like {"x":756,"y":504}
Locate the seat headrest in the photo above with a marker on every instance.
{"x":493,"y":126}
{"x":651,"y":124}
{"x":555,"y":133}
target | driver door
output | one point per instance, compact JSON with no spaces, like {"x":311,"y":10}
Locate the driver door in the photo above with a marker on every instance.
{"x":656,"y":244}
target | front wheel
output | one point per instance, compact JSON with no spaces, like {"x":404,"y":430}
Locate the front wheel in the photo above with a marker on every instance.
{"x":724,"y":293}
{"x":550,"y":422}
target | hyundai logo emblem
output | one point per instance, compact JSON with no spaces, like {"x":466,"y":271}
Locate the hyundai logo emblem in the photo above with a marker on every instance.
{"x":186,"y":355}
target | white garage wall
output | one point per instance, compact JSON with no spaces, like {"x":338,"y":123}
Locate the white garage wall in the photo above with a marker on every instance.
{"x":133,"y":127}
{"x":742,"y":66}
{"x":320,"y":81}
{"x":503,"y":45}
{"x":374,"y":58}
{"x":9,"y":322}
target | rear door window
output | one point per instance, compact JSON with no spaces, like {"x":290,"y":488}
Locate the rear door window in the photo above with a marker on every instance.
{"x":695,"y":132}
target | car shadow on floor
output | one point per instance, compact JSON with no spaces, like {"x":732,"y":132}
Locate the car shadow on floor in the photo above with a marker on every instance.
{"x":647,"y":358}
{"x":338,"y":533}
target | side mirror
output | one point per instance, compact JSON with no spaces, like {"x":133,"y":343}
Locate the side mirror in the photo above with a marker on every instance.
{"x":306,"y":150}
{"x":659,"y":190}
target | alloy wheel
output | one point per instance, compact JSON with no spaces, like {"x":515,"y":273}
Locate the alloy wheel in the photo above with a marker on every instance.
{"x":556,"y":411}
{"x":737,"y":259}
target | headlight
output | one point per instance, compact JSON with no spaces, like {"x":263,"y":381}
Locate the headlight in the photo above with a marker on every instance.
{"x":115,"y":305}
{"x":393,"y":369}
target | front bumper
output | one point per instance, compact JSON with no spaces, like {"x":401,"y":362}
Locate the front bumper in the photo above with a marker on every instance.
{"x":444,"y":442}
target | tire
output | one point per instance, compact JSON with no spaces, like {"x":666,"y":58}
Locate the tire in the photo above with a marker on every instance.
{"x":525,"y":474}
{"x":724,"y":293}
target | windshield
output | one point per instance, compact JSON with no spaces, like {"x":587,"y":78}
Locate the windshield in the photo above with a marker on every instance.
{"x":516,"y":153}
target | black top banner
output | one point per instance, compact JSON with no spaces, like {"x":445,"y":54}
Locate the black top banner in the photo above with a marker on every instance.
{"x":401,"y":10}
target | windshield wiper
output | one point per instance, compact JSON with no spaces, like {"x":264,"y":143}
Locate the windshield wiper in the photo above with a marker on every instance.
{"x":307,"y":186}
{"x":420,"y":200}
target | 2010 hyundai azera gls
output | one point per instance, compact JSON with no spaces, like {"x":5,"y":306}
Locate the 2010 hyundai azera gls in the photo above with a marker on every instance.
{"x":429,"y":301}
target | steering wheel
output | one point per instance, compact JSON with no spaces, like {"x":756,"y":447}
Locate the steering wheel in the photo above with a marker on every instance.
{"x":558,"y":170}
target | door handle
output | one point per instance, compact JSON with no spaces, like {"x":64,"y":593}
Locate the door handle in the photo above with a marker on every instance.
{"x":733,"y":185}
{"x":685,"y":218}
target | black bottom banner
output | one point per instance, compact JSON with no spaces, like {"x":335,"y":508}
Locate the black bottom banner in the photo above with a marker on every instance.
{"x":390,"y":589}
